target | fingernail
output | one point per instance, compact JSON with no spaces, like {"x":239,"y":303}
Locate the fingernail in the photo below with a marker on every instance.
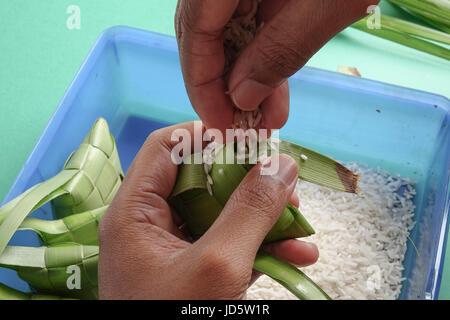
{"x":249,"y":94}
{"x":285,"y":170}
{"x":310,"y":245}
{"x":288,"y":170}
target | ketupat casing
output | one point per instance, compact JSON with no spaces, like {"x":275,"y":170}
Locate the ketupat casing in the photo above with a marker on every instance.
{"x":199,"y":209}
{"x":79,"y":228}
{"x":8,"y":293}
{"x":99,"y":173}
{"x":45,"y":268}
{"x":90,"y":179}
{"x":88,"y":182}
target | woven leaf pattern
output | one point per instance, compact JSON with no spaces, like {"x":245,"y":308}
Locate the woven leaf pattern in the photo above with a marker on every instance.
{"x":99,"y":174}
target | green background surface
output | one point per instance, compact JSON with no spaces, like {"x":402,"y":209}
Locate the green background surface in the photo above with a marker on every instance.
{"x":39,"y":57}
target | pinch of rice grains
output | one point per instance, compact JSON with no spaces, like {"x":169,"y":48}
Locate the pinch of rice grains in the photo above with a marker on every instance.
{"x":258,"y":117}
{"x":210,"y":180}
{"x":206,"y":168}
{"x":238,"y":33}
{"x":209,"y":188}
{"x":209,"y":153}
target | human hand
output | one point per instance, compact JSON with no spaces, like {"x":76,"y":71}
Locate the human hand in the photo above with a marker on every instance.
{"x":144,"y":255}
{"x":293,"y":31}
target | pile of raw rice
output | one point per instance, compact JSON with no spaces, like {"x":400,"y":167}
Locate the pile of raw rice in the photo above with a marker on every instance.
{"x":362,"y":239}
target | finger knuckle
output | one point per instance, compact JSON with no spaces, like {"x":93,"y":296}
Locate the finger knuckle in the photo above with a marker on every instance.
{"x":158,"y":139}
{"x":145,"y":200}
{"x":216,"y":265}
{"x":212,"y":260}
{"x":144,"y":192}
{"x":156,"y":136}
{"x":258,"y":196}
{"x":280,"y":56}
{"x":186,"y":16}
{"x":178,"y":19}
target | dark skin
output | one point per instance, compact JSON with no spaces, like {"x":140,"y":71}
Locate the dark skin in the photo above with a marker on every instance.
{"x":293,"y":31}
{"x":144,"y":255}
{"x":143,"y":252}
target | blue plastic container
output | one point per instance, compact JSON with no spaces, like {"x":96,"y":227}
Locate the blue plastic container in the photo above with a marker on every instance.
{"x":133,"y":79}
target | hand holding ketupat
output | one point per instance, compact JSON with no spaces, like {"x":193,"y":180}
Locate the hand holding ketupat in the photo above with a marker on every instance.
{"x":145,"y":256}
{"x":245,"y":208}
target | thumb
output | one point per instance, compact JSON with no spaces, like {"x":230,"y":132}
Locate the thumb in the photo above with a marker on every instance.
{"x":285,"y":43}
{"x":253,"y":209}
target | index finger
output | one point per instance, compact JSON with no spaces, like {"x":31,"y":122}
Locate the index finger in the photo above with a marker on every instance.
{"x":199,"y":25}
{"x":150,"y":180}
{"x":153,"y":170}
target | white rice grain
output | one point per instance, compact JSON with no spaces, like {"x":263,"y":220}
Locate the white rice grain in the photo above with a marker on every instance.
{"x":238,"y":34}
{"x":362,"y":239}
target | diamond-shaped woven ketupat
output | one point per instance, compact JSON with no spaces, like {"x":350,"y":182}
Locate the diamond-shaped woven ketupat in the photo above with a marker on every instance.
{"x":45,"y":268}
{"x":99,"y":174}
{"x":90,"y":179}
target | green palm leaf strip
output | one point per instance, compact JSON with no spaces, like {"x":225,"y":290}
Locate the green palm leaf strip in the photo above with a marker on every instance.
{"x":199,"y":209}
{"x":89,"y":180}
{"x":81,"y":228}
{"x":414,"y":29}
{"x":289,"y":277}
{"x":437,"y":11}
{"x":408,"y":34}
{"x":40,"y":195}
{"x":7,"y":293}
{"x":320,"y":169}
{"x":433,"y":23}
{"x":46,"y":268}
